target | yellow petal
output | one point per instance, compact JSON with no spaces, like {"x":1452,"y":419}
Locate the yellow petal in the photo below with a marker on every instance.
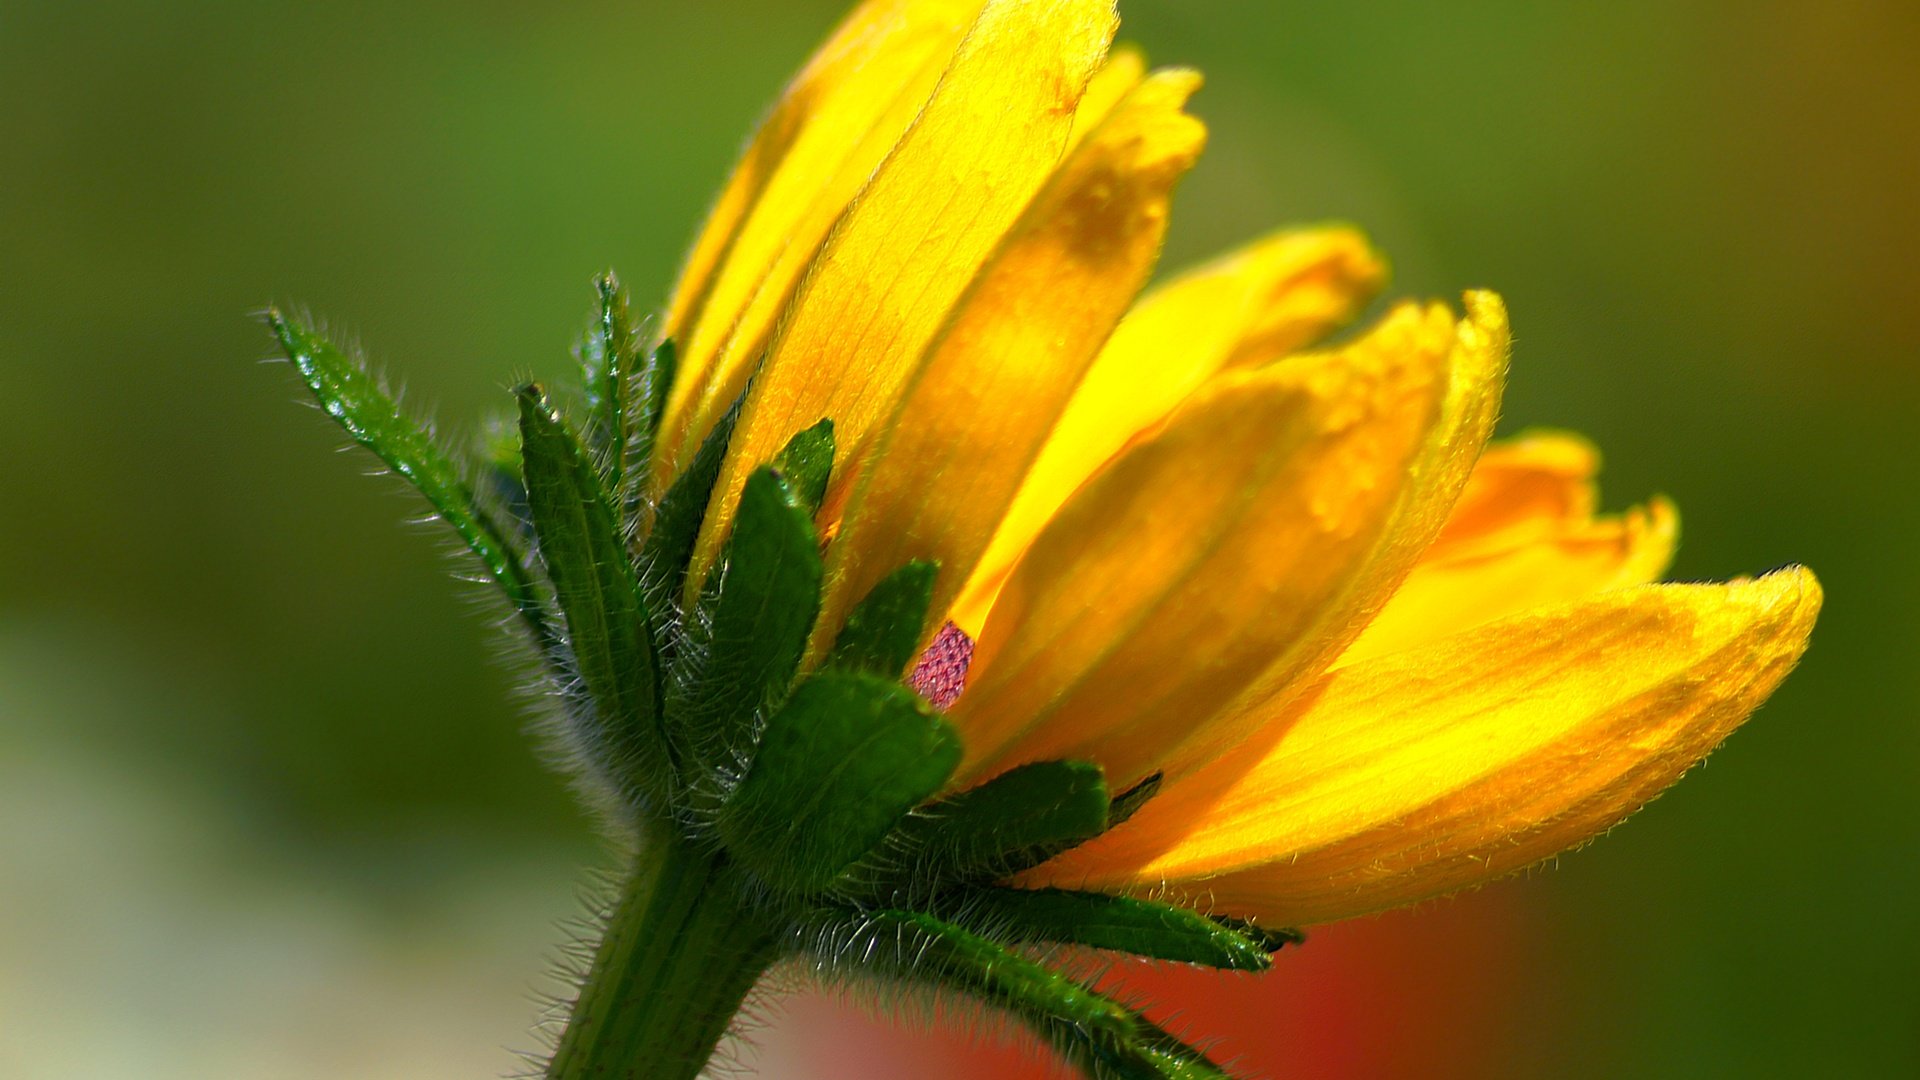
{"x":838,"y":119}
{"x":1277,"y":295}
{"x":1475,"y":377}
{"x":1220,"y":554}
{"x":900,"y":257}
{"x":1255,"y":577}
{"x":1125,"y":66}
{"x":1524,"y":488}
{"x":1428,"y":771}
{"x":991,"y":386}
{"x":1454,"y":592}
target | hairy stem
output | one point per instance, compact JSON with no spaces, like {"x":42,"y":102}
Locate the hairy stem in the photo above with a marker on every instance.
{"x":679,"y":955}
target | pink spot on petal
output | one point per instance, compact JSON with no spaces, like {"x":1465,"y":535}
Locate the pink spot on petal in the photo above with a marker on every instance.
{"x":941,"y":673}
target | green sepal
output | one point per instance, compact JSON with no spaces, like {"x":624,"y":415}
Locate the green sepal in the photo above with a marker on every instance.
{"x":1128,"y":802}
{"x":882,"y":633}
{"x":504,"y":492}
{"x":662,"y":366}
{"x":982,"y":834}
{"x":807,"y":464}
{"x":648,"y":389}
{"x":838,"y":767}
{"x":676,"y":522}
{"x":1102,"y":1037}
{"x":1122,"y":807}
{"x":1160,"y":1055}
{"x":607,"y":628}
{"x":1270,"y":938}
{"x":500,"y":448}
{"x":925,"y":948}
{"x":740,"y":651}
{"x":350,"y":394}
{"x":609,"y":354}
{"x":1117,"y":923}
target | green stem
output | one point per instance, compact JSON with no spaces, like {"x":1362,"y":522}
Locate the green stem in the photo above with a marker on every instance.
{"x":679,"y":955}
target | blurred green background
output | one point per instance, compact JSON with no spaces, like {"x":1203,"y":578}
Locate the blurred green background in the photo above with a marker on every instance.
{"x":266,"y":808}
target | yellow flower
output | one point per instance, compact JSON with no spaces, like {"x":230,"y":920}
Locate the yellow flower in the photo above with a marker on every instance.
{"x":1373,"y":658}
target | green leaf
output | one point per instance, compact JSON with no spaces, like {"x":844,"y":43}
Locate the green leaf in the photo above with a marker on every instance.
{"x":807,"y":464}
{"x":349,"y":394}
{"x":882,"y":633}
{"x":676,"y":523}
{"x":609,"y":354}
{"x":607,"y":628}
{"x":1102,"y":1037}
{"x":980,"y":835}
{"x":1123,"y":924}
{"x":744,"y":644}
{"x":837,"y":768}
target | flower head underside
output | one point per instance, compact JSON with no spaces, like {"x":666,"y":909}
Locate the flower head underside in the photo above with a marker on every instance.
{"x":1373,"y":656}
